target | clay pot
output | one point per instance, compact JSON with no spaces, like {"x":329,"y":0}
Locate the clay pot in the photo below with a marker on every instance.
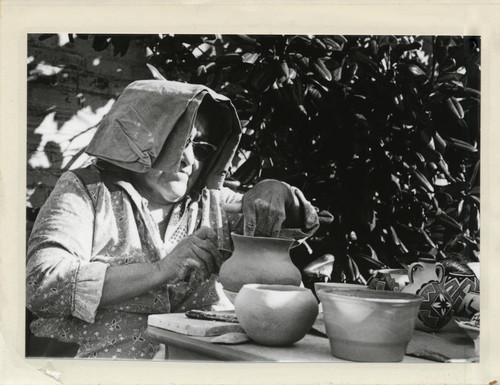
{"x":426,"y":280}
{"x":425,"y":270}
{"x":474,"y":266}
{"x":369,"y":325}
{"x":471,"y":303}
{"x":458,"y":285}
{"x":275,"y":315}
{"x":262,"y":260}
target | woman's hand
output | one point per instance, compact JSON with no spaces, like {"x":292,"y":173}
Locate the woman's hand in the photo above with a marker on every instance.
{"x":193,"y":259}
{"x":266,"y":207}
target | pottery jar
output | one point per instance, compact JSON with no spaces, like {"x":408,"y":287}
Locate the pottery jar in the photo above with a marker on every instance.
{"x":426,"y":279}
{"x":262,"y":260}
{"x":275,"y":315}
{"x":458,"y":285}
{"x":425,"y":270}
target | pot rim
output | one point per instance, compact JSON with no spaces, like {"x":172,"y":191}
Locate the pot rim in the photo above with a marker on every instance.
{"x":390,"y":270}
{"x":333,"y":285}
{"x":241,"y":236}
{"x":460,"y":274}
{"x":271,"y":287}
{"x":427,"y":259}
{"x":398,"y":298}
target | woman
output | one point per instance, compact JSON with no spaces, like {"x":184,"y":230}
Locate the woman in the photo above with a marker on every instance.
{"x":144,"y":231}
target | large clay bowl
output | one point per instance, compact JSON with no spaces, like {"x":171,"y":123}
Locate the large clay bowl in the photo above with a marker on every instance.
{"x":369,"y":325}
{"x":318,"y":286}
{"x":275,"y":315}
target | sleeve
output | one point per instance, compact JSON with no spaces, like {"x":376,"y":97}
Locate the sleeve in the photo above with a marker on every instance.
{"x":229,"y":196}
{"x":309,"y":213}
{"x":60,"y":277}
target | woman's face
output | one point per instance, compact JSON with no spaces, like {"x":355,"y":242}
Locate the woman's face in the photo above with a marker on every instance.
{"x":164,"y":187}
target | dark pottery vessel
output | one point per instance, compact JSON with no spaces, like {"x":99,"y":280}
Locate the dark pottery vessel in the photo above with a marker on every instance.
{"x":426,"y":280}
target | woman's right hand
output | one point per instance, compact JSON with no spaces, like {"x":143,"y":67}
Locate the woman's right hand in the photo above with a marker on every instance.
{"x":193,"y":259}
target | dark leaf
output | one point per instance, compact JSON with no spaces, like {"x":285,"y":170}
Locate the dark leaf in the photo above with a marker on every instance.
{"x":100,"y":42}
{"x":46,"y":36}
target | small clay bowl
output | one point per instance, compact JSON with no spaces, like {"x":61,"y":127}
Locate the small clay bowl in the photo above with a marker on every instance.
{"x":472,"y":332}
{"x":369,"y":325}
{"x":275,"y":315}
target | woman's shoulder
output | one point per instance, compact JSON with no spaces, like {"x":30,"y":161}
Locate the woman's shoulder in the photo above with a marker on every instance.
{"x":88,"y":181}
{"x":87,"y":175}
{"x":91,"y":176}
{"x":77,"y":180}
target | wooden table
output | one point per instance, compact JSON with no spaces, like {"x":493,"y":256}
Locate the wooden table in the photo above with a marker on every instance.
{"x":450,"y":343}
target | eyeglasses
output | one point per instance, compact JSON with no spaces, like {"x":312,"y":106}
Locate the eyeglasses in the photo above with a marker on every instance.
{"x":202,"y":151}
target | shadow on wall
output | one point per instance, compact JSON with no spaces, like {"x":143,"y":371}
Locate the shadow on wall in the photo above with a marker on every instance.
{"x":70,"y":88}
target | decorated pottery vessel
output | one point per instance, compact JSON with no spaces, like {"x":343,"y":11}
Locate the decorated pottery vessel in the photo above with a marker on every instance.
{"x":426,"y":279}
{"x":263,"y":260}
{"x":471,"y":303}
{"x":389,"y":279}
{"x":458,"y":285}
{"x":399,"y":275}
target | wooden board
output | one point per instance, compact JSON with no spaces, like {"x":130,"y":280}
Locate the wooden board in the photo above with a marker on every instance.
{"x":309,"y":349}
{"x":179,"y":323}
{"x":446,"y":344}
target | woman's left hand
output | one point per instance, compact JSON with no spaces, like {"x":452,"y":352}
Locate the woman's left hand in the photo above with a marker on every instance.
{"x":266,"y":206}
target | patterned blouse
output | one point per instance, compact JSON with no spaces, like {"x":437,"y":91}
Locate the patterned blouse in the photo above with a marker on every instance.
{"x":83,"y":229}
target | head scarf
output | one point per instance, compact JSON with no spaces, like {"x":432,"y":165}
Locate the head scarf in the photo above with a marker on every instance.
{"x":152,"y":116}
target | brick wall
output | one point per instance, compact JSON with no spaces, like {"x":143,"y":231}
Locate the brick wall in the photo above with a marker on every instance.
{"x":70,"y":88}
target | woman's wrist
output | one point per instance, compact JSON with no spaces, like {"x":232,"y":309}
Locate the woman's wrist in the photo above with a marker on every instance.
{"x":128,"y":281}
{"x":160,"y":273}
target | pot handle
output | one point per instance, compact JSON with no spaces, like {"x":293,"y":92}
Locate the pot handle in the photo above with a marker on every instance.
{"x":440,"y":271}
{"x":413,"y":268}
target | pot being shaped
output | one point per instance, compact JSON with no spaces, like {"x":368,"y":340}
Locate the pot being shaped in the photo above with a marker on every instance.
{"x":426,"y":280}
{"x":261,"y":260}
{"x":458,"y":285}
{"x":369,"y":325}
{"x":275,"y":315}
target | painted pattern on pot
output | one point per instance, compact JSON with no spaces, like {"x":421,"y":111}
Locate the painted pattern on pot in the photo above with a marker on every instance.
{"x":426,"y":280}
{"x":436,"y":309}
{"x":458,"y":285}
{"x":472,"y":303}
